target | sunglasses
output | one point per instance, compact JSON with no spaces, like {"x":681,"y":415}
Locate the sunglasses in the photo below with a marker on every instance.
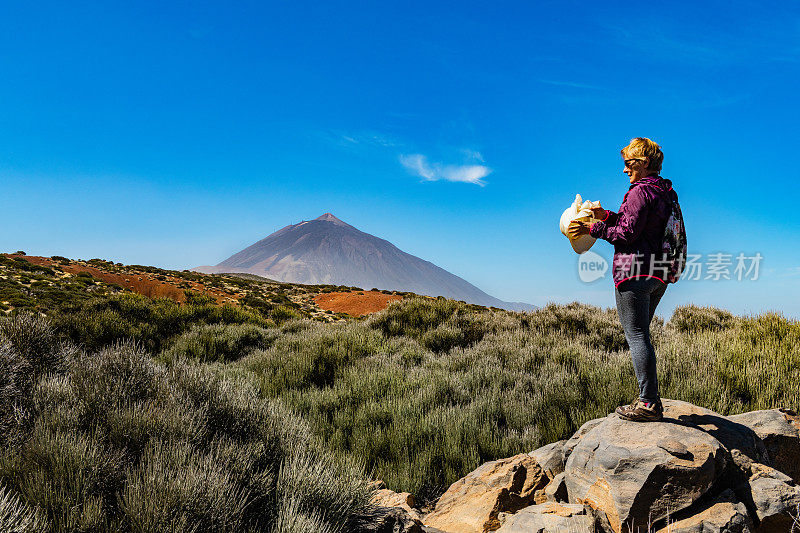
{"x":629,"y":162}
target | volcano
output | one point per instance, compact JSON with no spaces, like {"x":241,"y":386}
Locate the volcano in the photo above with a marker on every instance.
{"x":327,"y":250}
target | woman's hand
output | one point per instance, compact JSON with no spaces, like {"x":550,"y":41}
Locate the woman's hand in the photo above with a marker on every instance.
{"x":599,"y":213}
{"x":578,"y":228}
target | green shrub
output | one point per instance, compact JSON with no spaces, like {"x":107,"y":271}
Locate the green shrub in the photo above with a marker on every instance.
{"x":438,"y":324}
{"x":280,"y":298}
{"x":35,"y":340}
{"x":412,"y":317}
{"x":179,"y":488}
{"x":70,"y":475}
{"x":29,"y":350}
{"x":16,"y":384}
{"x":283,"y":314}
{"x":151,"y":322}
{"x":312,"y":356}
{"x":121,"y":443}
{"x":220,"y":342}
{"x":337,"y":495}
{"x":420,"y":394}
{"x":440,"y":387}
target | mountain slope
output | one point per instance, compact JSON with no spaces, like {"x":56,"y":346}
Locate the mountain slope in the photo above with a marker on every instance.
{"x":327,"y":250}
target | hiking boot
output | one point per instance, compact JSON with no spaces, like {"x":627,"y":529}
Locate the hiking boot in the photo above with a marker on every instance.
{"x":640,"y":411}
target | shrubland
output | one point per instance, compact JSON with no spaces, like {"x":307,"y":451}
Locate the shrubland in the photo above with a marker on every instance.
{"x":114,"y":441}
{"x":429,"y":389}
{"x":133,"y":414}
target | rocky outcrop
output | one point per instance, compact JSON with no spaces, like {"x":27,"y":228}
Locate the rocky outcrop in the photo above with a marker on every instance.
{"x":573,"y":441}
{"x":393,"y":512}
{"x":555,"y":491}
{"x":473,"y":504}
{"x":779,"y":429}
{"x":549,"y":517}
{"x":391,"y":520}
{"x":773,"y":498}
{"x":550,"y":457}
{"x":725,"y":514}
{"x":634,"y":478}
{"x":696,"y":471}
{"x":384,"y":497}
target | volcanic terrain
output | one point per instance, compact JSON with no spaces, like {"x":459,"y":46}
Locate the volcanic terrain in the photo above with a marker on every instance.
{"x":330,"y":251}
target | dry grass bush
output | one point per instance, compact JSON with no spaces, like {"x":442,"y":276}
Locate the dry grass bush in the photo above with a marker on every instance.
{"x":151,"y":322}
{"x":693,"y":319}
{"x":439,"y":325}
{"x":16,"y":382}
{"x":738,"y":364}
{"x":29,"y":349}
{"x":17,"y":517}
{"x":310,"y":355}
{"x":423,"y":401}
{"x":119,"y":442}
{"x":35,"y":340}
{"x":421,"y":394}
{"x":220,"y":342}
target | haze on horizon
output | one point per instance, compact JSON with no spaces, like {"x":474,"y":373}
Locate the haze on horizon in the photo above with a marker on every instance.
{"x":175,"y":135}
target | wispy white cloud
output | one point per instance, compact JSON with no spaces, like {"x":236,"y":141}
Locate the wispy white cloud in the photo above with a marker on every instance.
{"x":573,"y":84}
{"x":473,"y":155}
{"x":419,"y":165}
{"x":359,"y":140}
{"x":725,"y":43}
{"x":369,"y":138}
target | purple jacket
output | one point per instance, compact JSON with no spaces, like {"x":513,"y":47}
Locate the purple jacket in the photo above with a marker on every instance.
{"x":637,"y":230}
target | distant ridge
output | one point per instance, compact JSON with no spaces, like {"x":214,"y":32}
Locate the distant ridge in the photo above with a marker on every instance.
{"x":330,"y":251}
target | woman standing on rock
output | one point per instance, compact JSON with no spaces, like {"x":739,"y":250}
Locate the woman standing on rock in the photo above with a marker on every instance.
{"x":640,"y":270}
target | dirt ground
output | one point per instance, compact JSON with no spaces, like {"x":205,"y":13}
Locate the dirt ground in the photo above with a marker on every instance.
{"x":143,"y":283}
{"x":358,"y":303}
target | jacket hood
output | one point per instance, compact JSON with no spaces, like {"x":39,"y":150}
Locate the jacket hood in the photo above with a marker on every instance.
{"x":655,"y":180}
{"x":657,"y":185}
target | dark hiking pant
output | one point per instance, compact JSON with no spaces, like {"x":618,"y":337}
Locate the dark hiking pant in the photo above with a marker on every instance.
{"x":637,"y":299}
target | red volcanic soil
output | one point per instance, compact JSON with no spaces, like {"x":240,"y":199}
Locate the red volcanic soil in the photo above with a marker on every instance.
{"x":140,"y":282}
{"x":358,"y":303}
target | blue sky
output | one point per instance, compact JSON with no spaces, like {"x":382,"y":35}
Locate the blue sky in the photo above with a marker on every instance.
{"x":175,"y":134}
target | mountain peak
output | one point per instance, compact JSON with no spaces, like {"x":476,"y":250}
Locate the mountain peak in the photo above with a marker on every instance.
{"x":328,"y":217}
{"x":326,"y":250}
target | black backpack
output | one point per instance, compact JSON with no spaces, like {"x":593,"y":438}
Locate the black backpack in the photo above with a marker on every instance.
{"x":674,"y":242}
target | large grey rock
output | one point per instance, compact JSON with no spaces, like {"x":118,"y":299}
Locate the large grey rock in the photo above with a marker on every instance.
{"x":634,"y":474}
{"x":473,"y":503}
{"x":725,"y":514}
{"x":555,"y":491}
{"x":734,"y":435}
{"x":550,"y":518}
{"x":577,"y":436}
{"x":779,"y":429}
{"x":550,"y":458}
{"x":775,"y":498}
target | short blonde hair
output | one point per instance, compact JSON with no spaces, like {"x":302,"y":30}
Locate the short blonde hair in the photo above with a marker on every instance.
{"x":642,"y":147}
